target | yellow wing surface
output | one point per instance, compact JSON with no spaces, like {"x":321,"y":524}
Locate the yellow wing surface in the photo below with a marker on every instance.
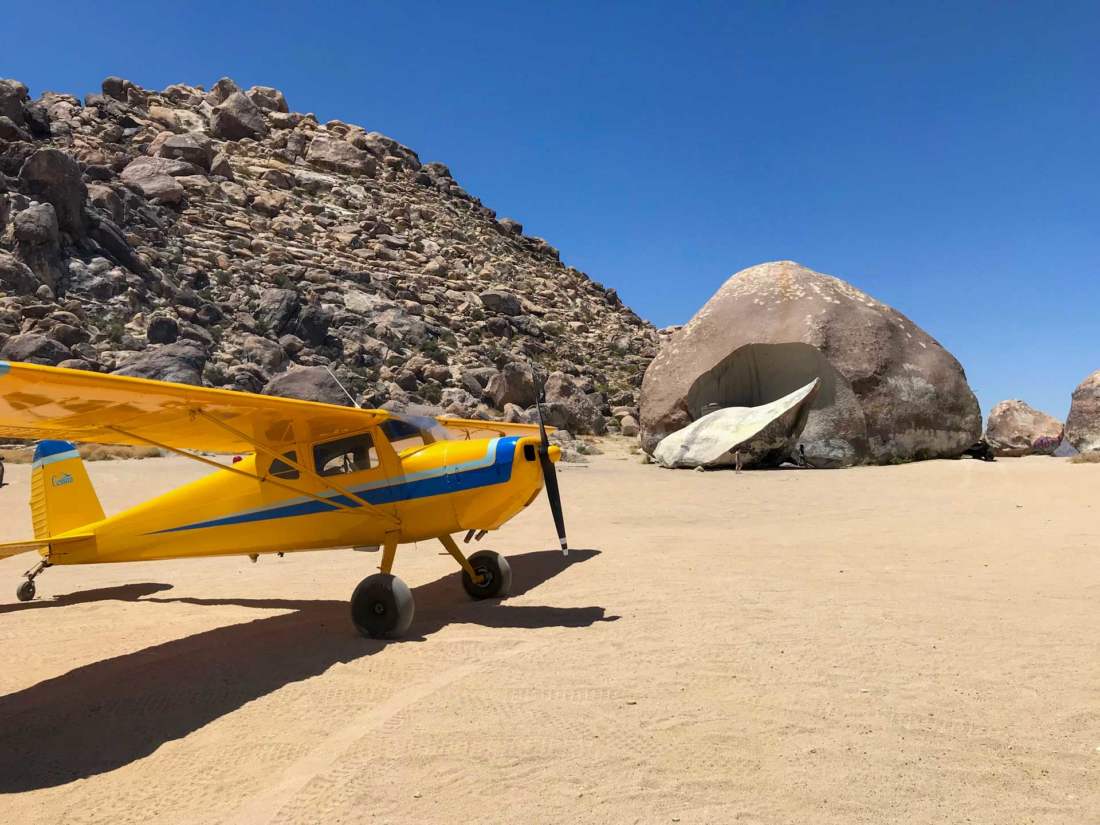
{"x":474,"y":428}
{"x":40,"y":402}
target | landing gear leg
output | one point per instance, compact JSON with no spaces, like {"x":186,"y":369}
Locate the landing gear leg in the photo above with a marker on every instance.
{"x":25,"y":591}
{"x":382,"y":605}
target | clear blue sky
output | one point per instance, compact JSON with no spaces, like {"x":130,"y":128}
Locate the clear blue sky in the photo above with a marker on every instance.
{"x":944,"y":157}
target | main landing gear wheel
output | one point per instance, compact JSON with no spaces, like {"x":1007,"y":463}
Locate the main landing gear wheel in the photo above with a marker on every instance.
{"x":496,"y":575}
{"x":382,"y":606}
{"x":25,"y":591}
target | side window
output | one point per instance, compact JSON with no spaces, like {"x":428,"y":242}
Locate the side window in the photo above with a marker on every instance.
{"x":280,"y":469}
{"x":346,"y":455}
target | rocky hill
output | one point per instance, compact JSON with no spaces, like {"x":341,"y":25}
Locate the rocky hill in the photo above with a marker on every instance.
{"x":217,"y":237}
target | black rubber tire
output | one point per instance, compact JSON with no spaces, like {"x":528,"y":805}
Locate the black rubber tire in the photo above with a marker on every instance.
{"x":382,"y":606}
{"x":25,"y":591}
{"x":496,"y":573}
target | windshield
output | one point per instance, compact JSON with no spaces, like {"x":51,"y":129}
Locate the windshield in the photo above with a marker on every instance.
{"x":405,"y":436}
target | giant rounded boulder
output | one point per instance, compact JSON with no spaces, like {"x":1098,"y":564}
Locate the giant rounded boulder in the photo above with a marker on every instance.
{"x":1083,"y":424}
{"x":889,"y":392}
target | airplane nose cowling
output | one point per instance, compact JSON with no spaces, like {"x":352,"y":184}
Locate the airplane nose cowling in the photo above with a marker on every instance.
{"x":555,"y":452}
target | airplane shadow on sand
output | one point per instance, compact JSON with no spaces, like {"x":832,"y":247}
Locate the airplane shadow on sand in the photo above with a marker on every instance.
{"x":110,"y":713}
{"x":121,"y":593}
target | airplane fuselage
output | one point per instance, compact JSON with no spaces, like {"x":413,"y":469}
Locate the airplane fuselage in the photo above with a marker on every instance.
{"x":422,"y":492}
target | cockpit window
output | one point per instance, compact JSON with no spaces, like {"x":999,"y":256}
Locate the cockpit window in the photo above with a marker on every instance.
{"x":346,"y":455}
{"x":280,"y":469}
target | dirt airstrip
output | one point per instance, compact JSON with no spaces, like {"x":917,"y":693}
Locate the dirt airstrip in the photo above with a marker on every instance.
{"x":888,"y":644}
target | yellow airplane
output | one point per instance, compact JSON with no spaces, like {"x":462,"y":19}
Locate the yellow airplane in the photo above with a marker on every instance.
{"x":317,"y":476}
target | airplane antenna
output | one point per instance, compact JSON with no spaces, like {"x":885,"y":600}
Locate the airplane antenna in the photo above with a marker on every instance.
{"x":345,"y":389}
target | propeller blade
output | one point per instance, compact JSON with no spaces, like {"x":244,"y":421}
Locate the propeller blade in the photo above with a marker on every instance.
{"x":549,"y":474}
{"x":540,"y":389}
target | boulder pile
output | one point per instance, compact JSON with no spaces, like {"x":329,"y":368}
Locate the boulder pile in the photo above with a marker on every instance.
{"x":216,"y":237}
{"x":888,"y":391}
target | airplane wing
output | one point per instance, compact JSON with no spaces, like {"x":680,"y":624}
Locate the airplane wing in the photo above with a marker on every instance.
{"x":474,"y":428}
{"x":39,"y":402}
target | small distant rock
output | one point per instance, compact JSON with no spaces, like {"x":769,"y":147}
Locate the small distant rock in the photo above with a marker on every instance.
{"x":221,"y":91}
{"x":53,"y":176}
{"x":162,"y":330}
{"x":514,"y":384}
{"x":221,"y":166}
{"x":155,"y":178}
{"x":515,"y":414}
{"x":116,"y":87}
{"x":308,"y":384}
{"x":277,"y":309}
{"x":263,"y":352}
{"x":193,"y":147}
{"x":567,"y":406}
{"x":106,"y":199}
{"x":1016,"y":429}
{"x":10,"y":131}
{"x":628,"y":425}
{"x":268,"y":98}
{"x":33,"y":348}
{"x":313,"y":324}
{"x":180,"y":363}
{"x":501,"y":302}
{"x":38,"y":244}
{"x":340,"y":156}
{"x":237,"y":117}
{"x":13,"y":95}
{"x":15,"y":276}
{"x":78,"y":364}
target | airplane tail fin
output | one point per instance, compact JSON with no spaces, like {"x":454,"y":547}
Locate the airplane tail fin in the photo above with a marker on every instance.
{"x":62,"y":497}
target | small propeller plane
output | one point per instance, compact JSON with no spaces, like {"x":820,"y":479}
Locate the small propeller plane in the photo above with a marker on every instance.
{"x":316,"y":476}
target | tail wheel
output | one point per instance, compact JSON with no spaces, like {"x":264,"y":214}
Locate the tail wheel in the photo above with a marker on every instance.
{"x":25,"y":591}
{"x":382,"y":606}
{"x":495,"y":572}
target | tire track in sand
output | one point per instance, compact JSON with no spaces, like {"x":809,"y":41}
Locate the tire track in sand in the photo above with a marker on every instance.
{"x":264,"y":806}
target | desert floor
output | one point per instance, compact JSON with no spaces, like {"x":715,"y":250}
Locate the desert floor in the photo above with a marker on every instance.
{"x":893,"y":644}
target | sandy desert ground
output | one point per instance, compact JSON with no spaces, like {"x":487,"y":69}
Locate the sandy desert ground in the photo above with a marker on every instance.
{"x":892,"y":644}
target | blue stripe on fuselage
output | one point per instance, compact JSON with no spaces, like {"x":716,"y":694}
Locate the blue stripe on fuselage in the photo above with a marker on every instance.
{"x":497,"y":471}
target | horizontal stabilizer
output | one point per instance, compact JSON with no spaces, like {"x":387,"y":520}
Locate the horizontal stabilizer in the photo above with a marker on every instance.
{"x":16,"y":547}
